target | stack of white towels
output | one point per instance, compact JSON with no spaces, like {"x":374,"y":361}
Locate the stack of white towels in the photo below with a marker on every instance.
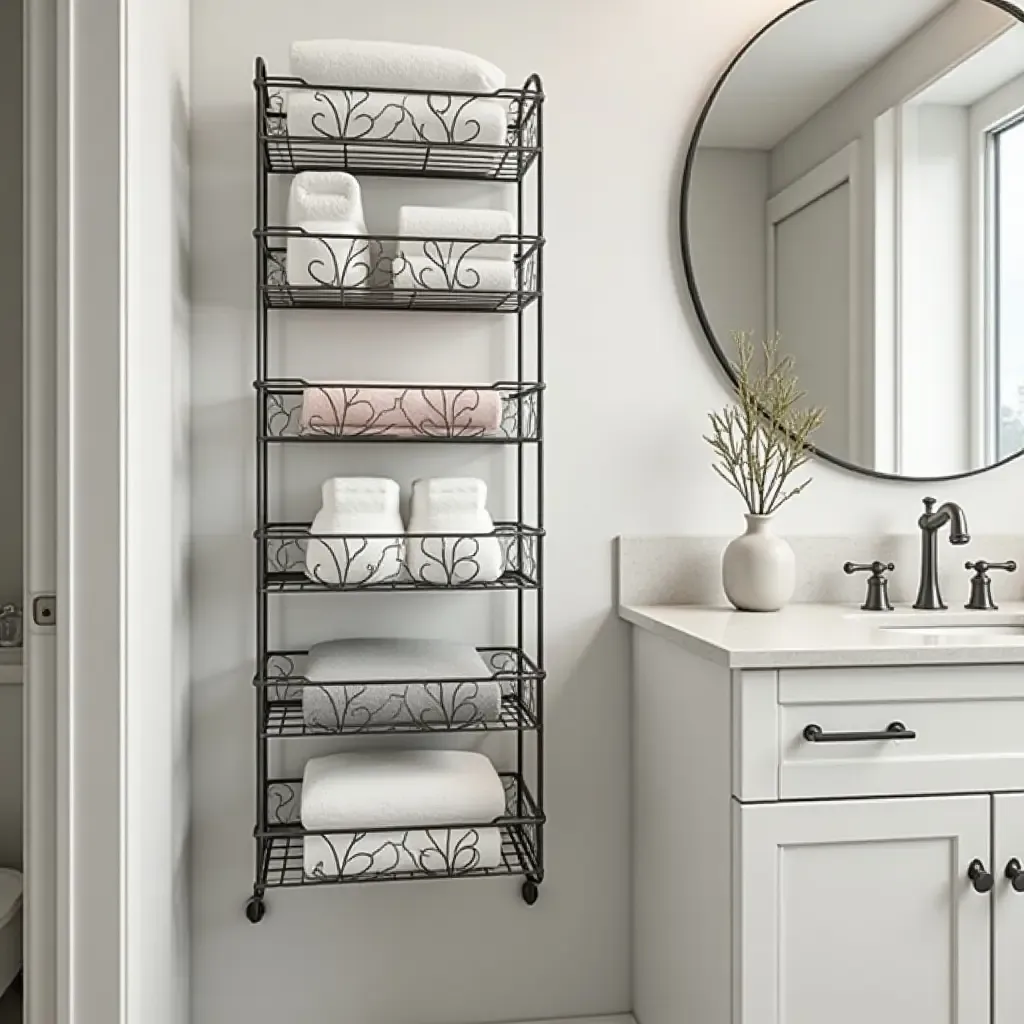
{"x":361,"y":113}
{"x":326,"y":203}
{"x":449,"y":541}
{"x":400,"y":794}
{"x":367,"y":683}
{"x":458,"y":250}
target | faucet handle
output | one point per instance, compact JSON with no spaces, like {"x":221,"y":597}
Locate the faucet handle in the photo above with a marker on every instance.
{"x":982,"y":567}
{"x":877,"y":599}
{"x":981,"y":583}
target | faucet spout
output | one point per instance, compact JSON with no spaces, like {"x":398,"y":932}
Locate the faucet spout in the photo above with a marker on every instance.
{"x":949,"y":512}
{"x":932,"y":520}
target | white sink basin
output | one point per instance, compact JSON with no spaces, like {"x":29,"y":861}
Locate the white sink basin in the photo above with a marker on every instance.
{"x":952,"y":625}
{"x":978,"y":629}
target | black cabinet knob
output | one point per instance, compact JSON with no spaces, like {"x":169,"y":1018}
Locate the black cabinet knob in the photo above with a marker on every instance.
{"x":1015,"y":874}
{"x":980,"y":878}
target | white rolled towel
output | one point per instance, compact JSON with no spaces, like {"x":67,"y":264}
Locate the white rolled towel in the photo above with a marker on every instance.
{"x":325,"y":196}
{"x":390,"y":65}
{"x":365,"y":117}
{"x":356,"y":507}
{"x":329,"y":203}
{"x":331,"y":707}
{"x":405,"y":791}
{"x":452,"y":507}
{"x":441,"y":272}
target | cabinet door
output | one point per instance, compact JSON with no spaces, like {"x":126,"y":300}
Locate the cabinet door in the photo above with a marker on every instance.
{"x":1009,"y":911}
{"x":861,"y":912}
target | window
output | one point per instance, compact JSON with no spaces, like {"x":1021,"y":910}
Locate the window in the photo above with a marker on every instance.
{"x":1006,"y":280}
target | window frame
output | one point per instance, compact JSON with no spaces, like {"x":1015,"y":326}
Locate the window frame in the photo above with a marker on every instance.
{"x":988,"y":117}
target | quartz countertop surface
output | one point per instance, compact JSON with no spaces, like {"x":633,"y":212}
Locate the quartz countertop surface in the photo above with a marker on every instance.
{"x":830,"y":635}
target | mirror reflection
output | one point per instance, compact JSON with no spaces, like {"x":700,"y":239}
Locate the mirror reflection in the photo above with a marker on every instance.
{"x":857,"y":187}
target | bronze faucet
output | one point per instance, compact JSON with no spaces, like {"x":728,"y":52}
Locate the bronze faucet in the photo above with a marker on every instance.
{"x":931,"y":521}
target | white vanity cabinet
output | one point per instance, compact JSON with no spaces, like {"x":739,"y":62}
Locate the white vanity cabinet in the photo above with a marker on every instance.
{"x":853,"y":912}
{"x":782,"y":878}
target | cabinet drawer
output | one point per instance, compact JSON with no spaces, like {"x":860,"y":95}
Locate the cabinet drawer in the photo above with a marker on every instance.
{"x":967,"y":725}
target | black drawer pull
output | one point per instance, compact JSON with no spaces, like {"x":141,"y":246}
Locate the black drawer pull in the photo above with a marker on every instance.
{"x":894,"y":731}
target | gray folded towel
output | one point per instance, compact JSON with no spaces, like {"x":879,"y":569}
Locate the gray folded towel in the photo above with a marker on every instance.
{"x":469,"y":697}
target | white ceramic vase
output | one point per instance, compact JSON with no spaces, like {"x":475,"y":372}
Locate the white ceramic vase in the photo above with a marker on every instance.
{"x":759,"y":568}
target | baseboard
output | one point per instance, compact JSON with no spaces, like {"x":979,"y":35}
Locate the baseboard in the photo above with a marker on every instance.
{"x":624,"y":1018}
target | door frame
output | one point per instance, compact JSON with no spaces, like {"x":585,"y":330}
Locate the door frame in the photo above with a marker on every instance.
{"x":75,"y":314}
{"x":842,"y":168}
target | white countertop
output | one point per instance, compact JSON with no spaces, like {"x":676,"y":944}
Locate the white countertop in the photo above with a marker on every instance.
{"x":828,"y":635}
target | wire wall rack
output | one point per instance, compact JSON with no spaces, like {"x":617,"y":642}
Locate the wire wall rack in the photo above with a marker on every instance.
{"x":407,"y":134}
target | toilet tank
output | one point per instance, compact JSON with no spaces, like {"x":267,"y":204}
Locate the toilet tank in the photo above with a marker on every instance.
{"x":11,"y":752}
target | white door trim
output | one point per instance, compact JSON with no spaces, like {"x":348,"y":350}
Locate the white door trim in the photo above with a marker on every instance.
{"x":89,"y":742}
{"x":841,"y":169}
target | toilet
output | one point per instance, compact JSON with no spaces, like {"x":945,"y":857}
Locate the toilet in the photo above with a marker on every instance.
{"x":10,"y":926}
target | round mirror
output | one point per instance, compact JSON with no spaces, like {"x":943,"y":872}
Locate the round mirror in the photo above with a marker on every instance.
{"x":855,"y":186}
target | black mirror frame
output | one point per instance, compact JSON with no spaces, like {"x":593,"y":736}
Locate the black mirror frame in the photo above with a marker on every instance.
{"x":691,"y":280}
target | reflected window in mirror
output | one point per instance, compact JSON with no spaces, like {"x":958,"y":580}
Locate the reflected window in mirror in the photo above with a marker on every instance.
{"x":856,"y":185}
{"x":1006,"y":153}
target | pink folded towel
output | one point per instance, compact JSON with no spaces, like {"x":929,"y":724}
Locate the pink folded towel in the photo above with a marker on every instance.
{"x":401,"y":412}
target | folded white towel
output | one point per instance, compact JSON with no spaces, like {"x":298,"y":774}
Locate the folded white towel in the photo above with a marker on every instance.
{"x":441,"y":271}
{"x":388,"y":65}
{"x":331,"y":707}
{"x":357,"y":506}
{"x":329,"y":203}
{"x":444,"y":222}
{"x":452,"y":507}
{"x":366,"y":117}
{"x":438,"y":851}
{"x":400,"y":789}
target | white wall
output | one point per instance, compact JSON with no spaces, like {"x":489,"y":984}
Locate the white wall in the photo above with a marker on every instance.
{"x":11,"y":155}
{"x":728,"y":230}
{"x":631,"y":381}
{"x":156,"y":699}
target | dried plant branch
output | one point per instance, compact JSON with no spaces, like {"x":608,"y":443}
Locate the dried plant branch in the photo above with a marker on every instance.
{"x":762,"y":439}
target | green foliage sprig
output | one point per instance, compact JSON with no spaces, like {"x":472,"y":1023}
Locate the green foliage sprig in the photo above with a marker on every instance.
{"x":761,"y":440}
